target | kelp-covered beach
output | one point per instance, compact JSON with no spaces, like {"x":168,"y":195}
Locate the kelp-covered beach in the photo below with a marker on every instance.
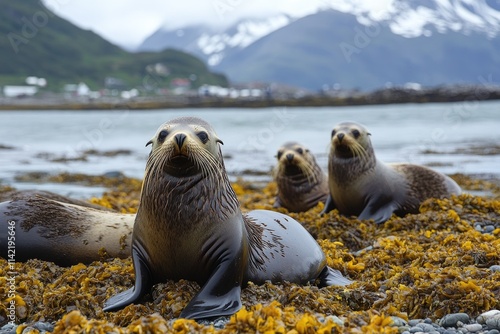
{"x":440,"y":262}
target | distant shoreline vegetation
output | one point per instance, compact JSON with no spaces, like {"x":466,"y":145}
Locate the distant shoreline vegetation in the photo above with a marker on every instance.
{"x":324,"y":99}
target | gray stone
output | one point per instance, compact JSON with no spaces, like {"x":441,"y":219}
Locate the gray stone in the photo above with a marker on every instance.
{"x":481,"y":319}
{"x":8,"y":329}
{"x":451,"y":320}
{"x":336,"y":320}
{"x":398,"y":322}
{"x":425,"y":327}
{"x":493,"y":322}
{"x":488,"y":229}
{"x":450,"y":331}
{"x":495,"y":267}
{"x":473,"y":327}
{"x":493,"y":331}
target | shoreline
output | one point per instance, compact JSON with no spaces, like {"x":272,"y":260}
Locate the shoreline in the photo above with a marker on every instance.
{"x":380,"y":97}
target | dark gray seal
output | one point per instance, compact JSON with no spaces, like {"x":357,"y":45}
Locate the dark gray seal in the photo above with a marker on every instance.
{"x":301,"y":182}
{"x":363,"y":186}
{"x":54,"y":228}
{"x":189,"y":226}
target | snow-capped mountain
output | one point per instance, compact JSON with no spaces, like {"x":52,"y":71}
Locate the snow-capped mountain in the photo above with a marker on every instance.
{"x":354,"y":43}
{"x":423,"y":17}
{"x":212,"y":43}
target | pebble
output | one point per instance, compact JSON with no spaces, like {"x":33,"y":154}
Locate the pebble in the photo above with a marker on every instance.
{"x":336,"y":320}
{"x":488,"y":229}
{"x":473,"y":328}
{"x":481,"y":319}
{"x":451,"y":320}
{"x":454,"y":323}
{"x":495,"y":267}
{"x":37,"y":327}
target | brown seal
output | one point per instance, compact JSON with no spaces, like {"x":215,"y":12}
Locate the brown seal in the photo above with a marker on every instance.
{"x":301,"y":182}
{"x":189,"y":226}
{"x":363,"y":186}
{"x":58,"y":229}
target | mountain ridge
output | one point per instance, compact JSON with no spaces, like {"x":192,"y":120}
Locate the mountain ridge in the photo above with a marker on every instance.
{"x":34,"y":41}
{"x":270,"y":59}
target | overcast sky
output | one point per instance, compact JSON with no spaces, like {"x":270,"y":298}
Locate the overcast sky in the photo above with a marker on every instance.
{"x":128,"y":22}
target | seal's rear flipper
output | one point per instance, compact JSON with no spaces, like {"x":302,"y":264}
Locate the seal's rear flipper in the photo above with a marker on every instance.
{"x":141,"y":287}
{"x":329,"y":276}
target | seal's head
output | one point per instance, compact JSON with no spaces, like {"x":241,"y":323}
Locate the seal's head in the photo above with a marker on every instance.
{"x":185,"y":168}
{"x":350,"y":140}
{"x":294,"y":160}
{"x":185,"y":146}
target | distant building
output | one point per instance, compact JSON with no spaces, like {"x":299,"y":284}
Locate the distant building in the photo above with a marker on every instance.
{"x":180,"y":85}
{"x":72,"y":90}
{"x":19,"y":91}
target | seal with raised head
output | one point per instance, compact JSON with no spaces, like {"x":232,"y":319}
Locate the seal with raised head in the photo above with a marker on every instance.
{"x":363,"y":186}
{"x":189,"y":226}
{"x":54,"y":228}
{"x":301,"y":182}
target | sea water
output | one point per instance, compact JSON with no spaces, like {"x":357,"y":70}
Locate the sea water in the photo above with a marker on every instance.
{"x":439,"y":135}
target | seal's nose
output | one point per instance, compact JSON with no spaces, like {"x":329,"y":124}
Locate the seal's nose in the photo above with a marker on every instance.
{"x":179,"y":139}
{"x":340,"y":136}
{"x":289,"y":157}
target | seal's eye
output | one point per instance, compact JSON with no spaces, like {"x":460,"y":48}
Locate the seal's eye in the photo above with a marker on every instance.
{"x":278,"y":156}
{"x":162,"y":135}
{"x":333,"y":133}
{"x":299,"y":150}
{"x":355,"y":133}
{"x":203,"y":136}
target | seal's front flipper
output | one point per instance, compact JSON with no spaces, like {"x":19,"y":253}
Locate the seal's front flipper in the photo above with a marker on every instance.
{"x":221,"y":294}
{"x":379,"y":209}
{"x":329,"y":205}
{"x":329,"y":276}
{"x":206,"y":305}
{"x":142,"y":286}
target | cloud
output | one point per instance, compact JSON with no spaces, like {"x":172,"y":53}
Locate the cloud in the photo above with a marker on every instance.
{"x":129,"y":22}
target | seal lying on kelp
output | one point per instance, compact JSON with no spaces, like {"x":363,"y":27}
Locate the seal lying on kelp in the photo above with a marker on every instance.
{"x":363,"y":186}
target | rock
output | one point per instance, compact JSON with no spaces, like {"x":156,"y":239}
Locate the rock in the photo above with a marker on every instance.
{"x":451,"y":320}
{"x":495,"y":268}
{"x":473,"y":328}
{"x":425,"y":327}
{"x":493,"y":322}
{"x":398,"y":322}
{"x":481,"y":319}
{"x":336,"y":320}
{"x":488,"y":228}
{"x":8,"y":329}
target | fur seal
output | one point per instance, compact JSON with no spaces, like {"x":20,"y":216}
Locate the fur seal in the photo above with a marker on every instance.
{"x":363,"y":186}
{"x":54,"y":228}
{"x":301,"y":182}
{"x":189,"y":226}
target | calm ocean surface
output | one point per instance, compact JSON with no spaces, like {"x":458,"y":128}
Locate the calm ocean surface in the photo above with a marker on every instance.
{"x":400,"y":133}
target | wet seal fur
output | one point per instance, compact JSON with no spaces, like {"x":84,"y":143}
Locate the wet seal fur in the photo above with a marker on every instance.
{"x":65,"y":231}
{"x":363,"y":186}
{"x":301,"y":182}
{"x":189,"y":226}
